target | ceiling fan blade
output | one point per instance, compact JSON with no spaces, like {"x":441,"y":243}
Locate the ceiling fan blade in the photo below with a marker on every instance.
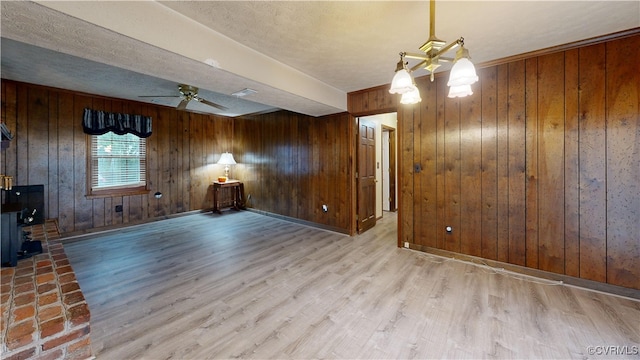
{"x":157,"y":96}
{"x":183,"y":104}
{"x":204,"y":101}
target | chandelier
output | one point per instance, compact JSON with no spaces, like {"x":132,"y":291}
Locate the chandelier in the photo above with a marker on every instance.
{"x":462,"y":75}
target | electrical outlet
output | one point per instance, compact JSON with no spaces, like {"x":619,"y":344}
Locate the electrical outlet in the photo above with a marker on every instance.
{"x":406,"y":244}
{"x":325,"y":208}
{"x":118,"y":208}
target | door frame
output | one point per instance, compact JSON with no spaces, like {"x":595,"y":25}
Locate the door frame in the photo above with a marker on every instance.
{"x":392,"y":166}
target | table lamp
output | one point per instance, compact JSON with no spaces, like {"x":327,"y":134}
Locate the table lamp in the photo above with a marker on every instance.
{"x":226,"y":159}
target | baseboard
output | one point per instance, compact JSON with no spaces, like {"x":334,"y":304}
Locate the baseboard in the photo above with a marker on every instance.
{"x":565,"y":279}
{"x":300,"y":221}
{"x":78,"y":235}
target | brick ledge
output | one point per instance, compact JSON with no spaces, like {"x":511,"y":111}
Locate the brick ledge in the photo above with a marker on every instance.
{"x":44,"y":313}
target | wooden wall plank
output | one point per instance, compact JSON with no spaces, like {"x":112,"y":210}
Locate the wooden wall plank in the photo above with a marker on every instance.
{"x":441,"y":216}
{"x":176,"y":189}
{"x":346,"y":172}
{"x":185,"y":168}
{"x":289,"y":196}
{"x":471,"y":173}
{"x":419,"y":176}
{"x":304,"y":157}
{"x":623,"y":162}
{"x":196,"y":139}
{"x":489,"y":167}
{"x":319,"y":132}
{"x":38,"y":136}
{"x":21,"y":138}
{"x":503,"y":160}
{"x":83,"y":206}
{"x":406,"y":183}
{"x":452,"y":163}
{"x":66,"y":217}
{"x":531,"y":153}
{"x":429,"y":146}
{"x":593,"y":186}
{"x":52,"y":211}
{"x":551,"y":130}
{"x":332,"y":152}
{"x":162,"y":137}
{"x":517,"y":163}
{"x":173,"y":192}
{"x":270,"y":180}
{"x":571,"y":166}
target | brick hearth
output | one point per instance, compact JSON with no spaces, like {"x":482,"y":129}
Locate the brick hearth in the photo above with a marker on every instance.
{"x":44,"y":314}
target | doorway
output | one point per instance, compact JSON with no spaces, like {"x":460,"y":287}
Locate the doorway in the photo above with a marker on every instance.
{"x":381,"y":192}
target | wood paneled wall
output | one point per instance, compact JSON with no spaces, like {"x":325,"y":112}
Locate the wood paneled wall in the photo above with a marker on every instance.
{"x":291,"y":164}
{"x":540,"y":167}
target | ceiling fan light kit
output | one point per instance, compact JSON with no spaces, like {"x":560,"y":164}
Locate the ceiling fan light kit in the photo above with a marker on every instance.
{"x":462,"y":74}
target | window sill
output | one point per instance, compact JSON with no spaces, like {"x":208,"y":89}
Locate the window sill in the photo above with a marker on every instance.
{"x":98,"y":194}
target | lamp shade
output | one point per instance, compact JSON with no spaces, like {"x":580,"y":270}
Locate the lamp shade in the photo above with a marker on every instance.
{"x":460,"y":91}
{"x":462,"y":73}
{"x":226,"y":159}
{"x":402,"y":82}
{"x":411,"y":97}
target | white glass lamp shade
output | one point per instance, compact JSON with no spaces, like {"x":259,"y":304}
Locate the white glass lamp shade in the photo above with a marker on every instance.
{"x":226,"y":159}
{"x":460,"y":91}
{"x":411,"y":97}
{"x":402,"y":82}
{"x":462,"y":73}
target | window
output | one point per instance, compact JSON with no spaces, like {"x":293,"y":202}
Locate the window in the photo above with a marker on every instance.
{"x":117,"y":164}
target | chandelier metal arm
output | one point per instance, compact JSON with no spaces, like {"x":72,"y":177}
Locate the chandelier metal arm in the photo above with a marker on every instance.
{"x":426,"y":57}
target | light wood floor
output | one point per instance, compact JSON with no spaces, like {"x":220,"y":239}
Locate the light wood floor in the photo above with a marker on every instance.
{"x":242,"y":285}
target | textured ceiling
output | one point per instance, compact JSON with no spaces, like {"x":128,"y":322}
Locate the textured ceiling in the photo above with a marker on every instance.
{"x":300,"y":56}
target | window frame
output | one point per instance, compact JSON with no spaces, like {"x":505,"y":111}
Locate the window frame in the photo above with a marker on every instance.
{"x":124,"y":190}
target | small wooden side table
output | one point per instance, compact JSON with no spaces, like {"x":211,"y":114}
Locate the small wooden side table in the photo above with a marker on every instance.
{"x":228,"y":194}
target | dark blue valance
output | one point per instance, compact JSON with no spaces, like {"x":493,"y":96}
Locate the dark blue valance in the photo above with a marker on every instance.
{"x":96,"y":122}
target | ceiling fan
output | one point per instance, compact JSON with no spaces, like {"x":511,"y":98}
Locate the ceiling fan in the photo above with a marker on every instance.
{"x":188,"y":93}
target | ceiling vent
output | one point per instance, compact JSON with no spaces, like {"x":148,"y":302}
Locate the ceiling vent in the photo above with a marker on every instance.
{"x":244,"y":92}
